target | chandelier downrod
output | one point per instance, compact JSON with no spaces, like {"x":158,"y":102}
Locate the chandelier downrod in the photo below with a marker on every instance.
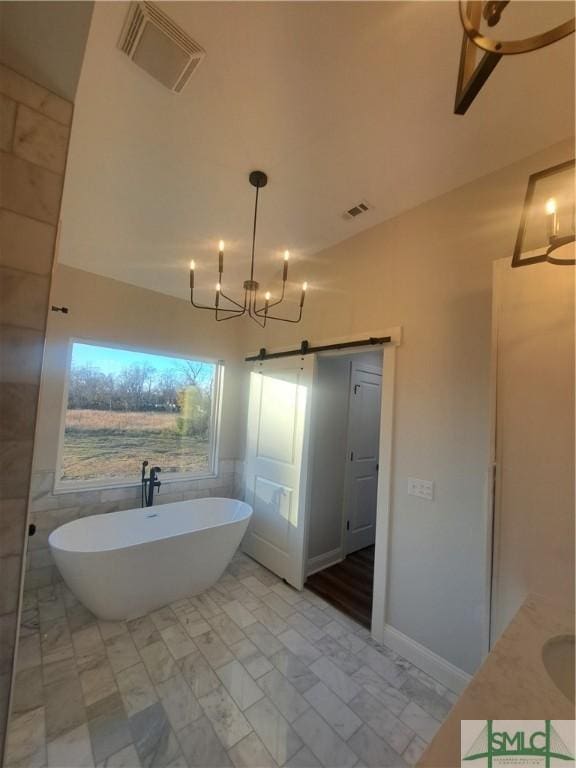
{"x":260,"y":314}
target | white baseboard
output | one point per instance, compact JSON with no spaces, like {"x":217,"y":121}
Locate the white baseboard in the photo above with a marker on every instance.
{"x":444,"y":671}
{"x":320,"y":562}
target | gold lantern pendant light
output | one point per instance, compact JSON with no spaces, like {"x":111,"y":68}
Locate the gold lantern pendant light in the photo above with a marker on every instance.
{"x":547,"y":229}
{"x":473,"y":74}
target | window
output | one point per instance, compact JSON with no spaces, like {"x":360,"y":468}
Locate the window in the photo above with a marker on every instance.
{"x":125,"y":406}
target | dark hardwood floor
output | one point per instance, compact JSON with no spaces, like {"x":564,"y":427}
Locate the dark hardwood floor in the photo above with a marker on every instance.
{"x":348,"y":585}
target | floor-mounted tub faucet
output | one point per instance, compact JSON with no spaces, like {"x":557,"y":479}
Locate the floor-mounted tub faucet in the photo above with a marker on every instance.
{"x":149,"y":483}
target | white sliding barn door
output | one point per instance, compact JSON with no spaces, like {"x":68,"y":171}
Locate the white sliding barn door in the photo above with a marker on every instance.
{"x":277,"y":464}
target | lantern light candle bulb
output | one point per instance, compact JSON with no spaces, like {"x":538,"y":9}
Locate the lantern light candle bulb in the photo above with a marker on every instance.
{"x":551,"y":218}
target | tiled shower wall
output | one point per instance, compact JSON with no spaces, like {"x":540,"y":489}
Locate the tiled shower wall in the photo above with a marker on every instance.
{"x":34,"y":129}
{"x":49,"y":510}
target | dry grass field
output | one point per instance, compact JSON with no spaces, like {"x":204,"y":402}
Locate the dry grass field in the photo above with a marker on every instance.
{"x":87,"y":420}
{"x":113,"y":444}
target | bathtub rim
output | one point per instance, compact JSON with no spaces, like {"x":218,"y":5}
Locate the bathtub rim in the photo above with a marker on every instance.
{"x":244,"y":506}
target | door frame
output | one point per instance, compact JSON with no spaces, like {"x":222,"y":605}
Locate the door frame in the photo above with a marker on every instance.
{"x":378,"y":372}
{"x":491,"y":483}
{"x":386,"y":455}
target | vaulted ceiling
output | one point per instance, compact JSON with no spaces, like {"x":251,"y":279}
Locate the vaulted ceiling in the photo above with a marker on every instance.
{"x":337,"y":102}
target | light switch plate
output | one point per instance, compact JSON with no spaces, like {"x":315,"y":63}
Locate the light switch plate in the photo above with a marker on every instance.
{"x":424,"y":489}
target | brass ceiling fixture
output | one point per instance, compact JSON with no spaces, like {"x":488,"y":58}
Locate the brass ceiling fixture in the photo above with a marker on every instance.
{"x":547,"y":229}
{"x":231,"y":308}
{"x":473,"y":74}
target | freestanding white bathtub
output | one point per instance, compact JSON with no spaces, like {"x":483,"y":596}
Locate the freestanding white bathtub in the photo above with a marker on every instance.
{"x":124,"y":564}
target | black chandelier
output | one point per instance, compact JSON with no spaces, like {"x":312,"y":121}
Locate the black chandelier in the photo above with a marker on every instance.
{"x":260,"y":314}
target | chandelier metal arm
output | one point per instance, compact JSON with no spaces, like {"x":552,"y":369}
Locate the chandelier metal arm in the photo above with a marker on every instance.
{"x":199,"y":306}
{"x":242,"y":307}
{"x":252,"y":311}
{"x":283,"y":319}
{"x":230,"y":313}
{"x":266,"y":314}
{"x":256,"y":320}
{"x":233,"y":313}
{"x":281,"y":299}
{"x":254,"y":234}
{"x":215,"y":308}
{"x":260,"y":310}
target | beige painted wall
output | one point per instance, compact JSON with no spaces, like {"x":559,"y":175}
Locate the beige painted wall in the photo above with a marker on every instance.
{"x":108,"y":311}
{"x":430,"y":271}
{"x":534,"y":434}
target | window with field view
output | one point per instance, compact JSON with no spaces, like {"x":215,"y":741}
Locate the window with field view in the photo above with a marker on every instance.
{"x":126,"y":406}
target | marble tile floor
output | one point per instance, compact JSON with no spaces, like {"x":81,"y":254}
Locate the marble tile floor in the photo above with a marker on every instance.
{"x":249,"y":674}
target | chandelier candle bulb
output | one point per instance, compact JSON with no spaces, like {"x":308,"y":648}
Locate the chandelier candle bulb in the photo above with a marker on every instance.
{"x":304,"y":289}
{"x":286,"y":257}
{"x":221,"y":256}
{"x":192,"y":265}
{"x":218,"y":289}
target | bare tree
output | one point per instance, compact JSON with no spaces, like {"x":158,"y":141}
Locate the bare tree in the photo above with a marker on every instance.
{"x":192,"y":371}
{"x":133,"y":381}
{"x":140,"y":387}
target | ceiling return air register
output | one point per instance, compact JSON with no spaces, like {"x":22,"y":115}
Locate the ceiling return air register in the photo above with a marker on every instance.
{"x":159,"y":46}
{"x":357,"y":210}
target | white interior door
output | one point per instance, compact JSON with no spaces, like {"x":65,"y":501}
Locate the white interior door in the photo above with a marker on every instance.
{"x":534,"y":447}
{"x":277,"y":464}
{"x":361,"y":485}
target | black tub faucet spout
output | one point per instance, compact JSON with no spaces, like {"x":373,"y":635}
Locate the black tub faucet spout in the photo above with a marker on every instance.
{"x":149,"y":483}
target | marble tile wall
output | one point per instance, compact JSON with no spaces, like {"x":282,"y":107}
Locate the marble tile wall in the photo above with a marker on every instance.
{"x":49,"y":510}
{"x":34,"y":129}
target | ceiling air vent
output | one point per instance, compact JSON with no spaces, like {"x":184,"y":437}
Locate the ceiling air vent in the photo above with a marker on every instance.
{"x":159,"y":46}
{"x":356,"y":210}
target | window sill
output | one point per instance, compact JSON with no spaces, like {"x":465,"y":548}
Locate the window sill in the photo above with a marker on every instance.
{"x":77,"y":486}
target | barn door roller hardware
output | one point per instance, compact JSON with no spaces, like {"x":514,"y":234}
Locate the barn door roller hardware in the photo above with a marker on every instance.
{"x":306,"y":349}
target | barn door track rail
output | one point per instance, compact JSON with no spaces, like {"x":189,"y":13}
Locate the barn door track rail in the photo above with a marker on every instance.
{"x":306,"y":349}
